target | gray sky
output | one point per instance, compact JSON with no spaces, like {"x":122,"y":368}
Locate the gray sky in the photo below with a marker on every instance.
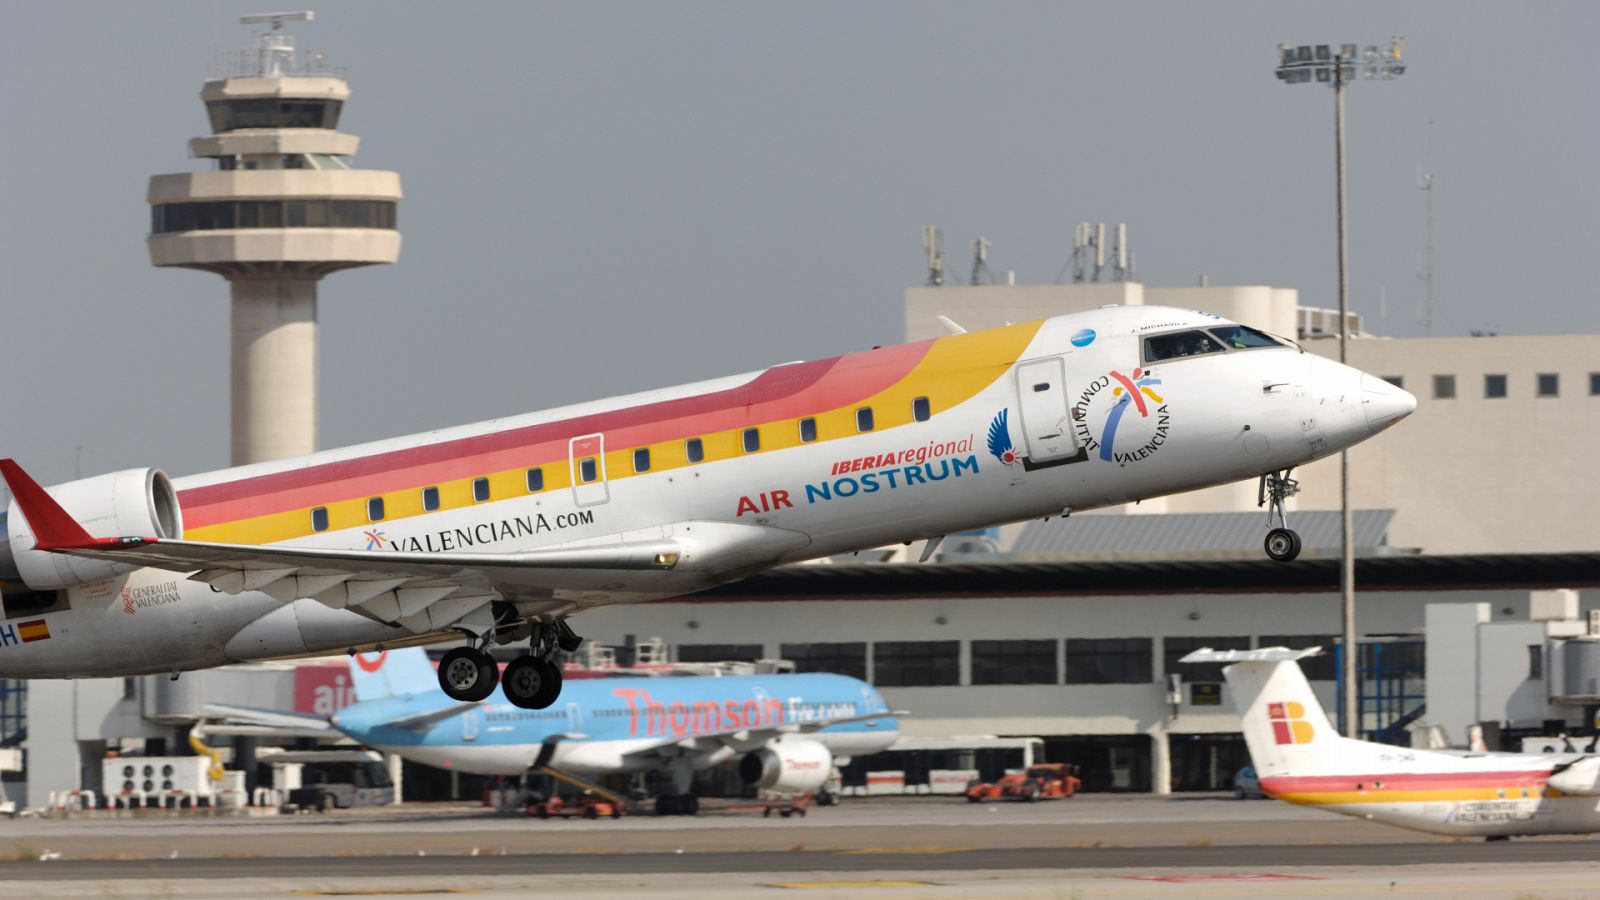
{"x":603,"y":197}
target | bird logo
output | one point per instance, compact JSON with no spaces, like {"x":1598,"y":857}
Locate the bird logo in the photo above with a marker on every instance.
{"x":1000,"y":439}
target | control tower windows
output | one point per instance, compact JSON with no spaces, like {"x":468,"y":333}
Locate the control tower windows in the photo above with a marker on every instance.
{"x":169,"y":217}
{"x":273,"y":112}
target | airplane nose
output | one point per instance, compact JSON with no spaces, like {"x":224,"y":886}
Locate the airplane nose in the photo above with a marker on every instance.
{"x":1384,"y":403}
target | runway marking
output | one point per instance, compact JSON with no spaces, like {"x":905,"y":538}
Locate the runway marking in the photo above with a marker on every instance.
{"x":824,"y":885}
{"x":1223,"y":876}
{"x":909,"y":851}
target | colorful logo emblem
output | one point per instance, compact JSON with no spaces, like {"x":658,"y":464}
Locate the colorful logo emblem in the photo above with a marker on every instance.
{"x":371,"y":665}
{"x":1288,"y":723}
{"x":1100,"y":413}
{"x":1000,"y":439}
{"x":1083,"y":338}
{"x":127,"y":600}
{"x":376,"y":539}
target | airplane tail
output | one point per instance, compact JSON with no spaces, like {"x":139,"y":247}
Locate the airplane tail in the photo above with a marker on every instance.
{"x":392,"y":673}
{"x":1285,"y":727}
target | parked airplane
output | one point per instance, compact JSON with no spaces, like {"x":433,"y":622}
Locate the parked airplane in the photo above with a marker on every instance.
{"x":789,"y":731}
{"x":501,"y":530}
{"x":1301,"y":758}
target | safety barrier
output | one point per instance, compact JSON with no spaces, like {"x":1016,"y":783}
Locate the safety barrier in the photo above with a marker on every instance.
{"x":125,"y":800}
{"x":61,"y":800}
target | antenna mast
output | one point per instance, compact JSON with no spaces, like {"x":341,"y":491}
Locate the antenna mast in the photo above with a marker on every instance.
{"x":1425,"y":315}
{"x":980,"y":261}
{"x":933,"y":243}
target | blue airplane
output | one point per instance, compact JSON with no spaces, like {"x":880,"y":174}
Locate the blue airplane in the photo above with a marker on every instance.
{"x":788,"y":731}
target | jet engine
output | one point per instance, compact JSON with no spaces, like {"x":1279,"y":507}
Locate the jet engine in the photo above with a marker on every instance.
{"x":788,"y":766}
{"x":137,"y":502}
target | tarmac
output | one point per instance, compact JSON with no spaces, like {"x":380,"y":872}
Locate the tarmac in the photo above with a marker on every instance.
{"x":887,"y":848}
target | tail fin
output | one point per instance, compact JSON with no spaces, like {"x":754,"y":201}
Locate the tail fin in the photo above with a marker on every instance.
{"x":1284,"y":724}
{"x":392,"y":673}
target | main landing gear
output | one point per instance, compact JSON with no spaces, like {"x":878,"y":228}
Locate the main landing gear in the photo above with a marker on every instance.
{"x":1282,"y":543}
{"x":531,"y":681}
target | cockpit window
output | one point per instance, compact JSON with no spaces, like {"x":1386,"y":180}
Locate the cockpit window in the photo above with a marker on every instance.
{"x":1240,"y":337}
{"x":1178,"y":344}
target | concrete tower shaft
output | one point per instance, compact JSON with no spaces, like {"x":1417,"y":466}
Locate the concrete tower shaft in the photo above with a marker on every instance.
{"x":281,"y":208}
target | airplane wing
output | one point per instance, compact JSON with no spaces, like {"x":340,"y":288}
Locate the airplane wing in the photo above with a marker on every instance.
{"x":226,"y":718}
{"x":426,"y":592}
{"x":424,"y":721}
{"x":743,"y":739}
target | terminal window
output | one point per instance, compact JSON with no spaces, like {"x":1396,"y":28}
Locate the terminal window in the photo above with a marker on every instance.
{"x":1444,"y":387}
{"x":1110,"y":660}
{"x":480,"y":489}
{"x":535,"y":480}
{"x":1594,"y":384}
{"x":1494,"y":386}
{"x":1014,"y":662}
{"x":707,"y":653}
{"x":1549,"y":384}
{"x":694,"y":449}
{"x":1176,"y":648}
{"x":1398,"y":381}
{"x":808,"y":430}
{"x":430,"y":499}
{"x":916,"y":663}
{"x":848,"y":658}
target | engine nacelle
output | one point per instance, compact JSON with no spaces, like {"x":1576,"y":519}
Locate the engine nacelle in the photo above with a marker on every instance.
{"x":788,"y":766}
{"x":138,"y":502}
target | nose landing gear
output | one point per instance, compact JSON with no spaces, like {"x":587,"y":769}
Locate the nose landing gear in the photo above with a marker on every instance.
{"x":1282,"y":543}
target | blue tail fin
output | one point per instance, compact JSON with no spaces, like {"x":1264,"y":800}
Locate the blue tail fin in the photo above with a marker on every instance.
{"x":392,"y":673}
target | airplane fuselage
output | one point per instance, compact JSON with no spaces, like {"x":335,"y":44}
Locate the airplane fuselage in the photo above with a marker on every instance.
{"x":795,"y":462}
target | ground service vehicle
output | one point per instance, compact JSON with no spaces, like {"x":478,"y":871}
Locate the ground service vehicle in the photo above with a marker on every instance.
{"x":1044,"y":781}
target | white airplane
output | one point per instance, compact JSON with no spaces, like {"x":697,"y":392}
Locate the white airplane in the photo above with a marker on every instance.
{"x":501,"y":530}
{"x":1301,"y":758}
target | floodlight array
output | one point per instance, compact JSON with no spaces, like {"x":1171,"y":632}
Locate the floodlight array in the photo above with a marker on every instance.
{"x":1339,"y":64}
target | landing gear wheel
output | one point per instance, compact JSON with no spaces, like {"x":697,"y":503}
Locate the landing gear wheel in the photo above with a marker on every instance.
{"x":468,"y":674}
{"x":525,"y":682}
{"x":1282,"y":544}
{"x":551,"y":691}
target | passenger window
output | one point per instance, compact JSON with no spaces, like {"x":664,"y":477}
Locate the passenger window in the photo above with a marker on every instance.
{"x":375,"y":509}
{"x":319,"y":519}
{"x":864,"y":419}
{"x":752,"y":440}
{"x":694,"y":449}
{"x":808,"y":430}
{"x":480,"y":489}
{"x":535,"y":480}
{"x":588,"y":470}
{"x":1240,"y":337}
{"x":641,"y":459}
{"x":430,"y":499}
{"x":1178,"y":345}
{"x":921,"y":409}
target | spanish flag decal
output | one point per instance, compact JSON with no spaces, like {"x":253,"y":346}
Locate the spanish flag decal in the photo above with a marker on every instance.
{"x":34,"y":630}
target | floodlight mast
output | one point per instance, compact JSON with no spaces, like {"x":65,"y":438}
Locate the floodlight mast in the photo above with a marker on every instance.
{"x":1299,"y":65}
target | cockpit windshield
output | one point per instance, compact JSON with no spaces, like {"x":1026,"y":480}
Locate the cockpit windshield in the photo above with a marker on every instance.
{"x":1196,"y":342}
{"x":1241,"y":337}
{"x":1178,"y":344}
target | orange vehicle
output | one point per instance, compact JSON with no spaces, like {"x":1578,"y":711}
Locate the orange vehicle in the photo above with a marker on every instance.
{"x":1044,"y":781}
{"x":587,"y":804}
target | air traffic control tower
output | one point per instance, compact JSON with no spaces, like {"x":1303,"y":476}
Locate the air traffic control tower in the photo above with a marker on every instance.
{"x":282,"y":208}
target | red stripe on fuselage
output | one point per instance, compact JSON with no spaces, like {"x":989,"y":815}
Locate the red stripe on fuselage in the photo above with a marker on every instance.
{"x":1403,"y":781}
{"x":784,"y":392}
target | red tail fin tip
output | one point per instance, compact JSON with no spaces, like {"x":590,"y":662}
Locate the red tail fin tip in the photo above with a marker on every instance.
{"x":53,"y":527}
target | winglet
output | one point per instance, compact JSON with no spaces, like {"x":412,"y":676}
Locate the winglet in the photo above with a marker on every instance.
{"x":53,"y":528}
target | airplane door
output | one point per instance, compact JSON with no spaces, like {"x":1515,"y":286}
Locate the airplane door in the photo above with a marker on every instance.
{"x":586,"y":458}
{"x":1046,"y":425}
{"x":469,"y":725}
{"x":574,"y":719}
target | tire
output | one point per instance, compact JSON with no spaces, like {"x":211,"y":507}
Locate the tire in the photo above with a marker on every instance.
{"x":1282,"y":544}
{"x":591,"y":813}
{"x":550,"y":690}
{"x":468,"y":675}
{"x":523,"y":682}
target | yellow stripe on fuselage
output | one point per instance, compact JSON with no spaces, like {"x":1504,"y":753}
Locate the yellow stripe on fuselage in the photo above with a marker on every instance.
{"x":1444,"y":795}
